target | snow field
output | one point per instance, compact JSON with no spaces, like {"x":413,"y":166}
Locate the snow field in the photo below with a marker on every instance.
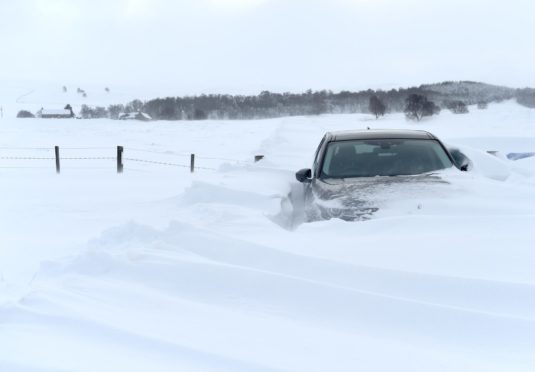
{"x":159,"y":269}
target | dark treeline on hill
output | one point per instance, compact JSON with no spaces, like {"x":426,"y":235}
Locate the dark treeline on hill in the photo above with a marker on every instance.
{"x":526,"y":97}
{"x":448,"y":95}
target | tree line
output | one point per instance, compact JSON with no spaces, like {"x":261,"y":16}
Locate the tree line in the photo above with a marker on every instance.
{"x":271,"y":105}
{"x":415,"y":102}
{"x":454,"y":96}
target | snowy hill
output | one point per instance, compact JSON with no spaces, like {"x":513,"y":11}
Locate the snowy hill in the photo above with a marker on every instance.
{"x":32,"y":96}
{"x":469,"y":92}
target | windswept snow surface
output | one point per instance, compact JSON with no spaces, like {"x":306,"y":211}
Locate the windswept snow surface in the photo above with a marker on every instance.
{"x":158,"y":269}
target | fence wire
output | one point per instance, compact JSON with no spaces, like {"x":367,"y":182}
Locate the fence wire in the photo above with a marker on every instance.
{"x":61,"y":158}
{"x":166,"y":163}
{"x":27,"y":148}
{"x":24,"y":158}
{"x":89,"y":158}
{"x":184,"y":155}
{"x":166,"y":153}
{"x":114,"y":158}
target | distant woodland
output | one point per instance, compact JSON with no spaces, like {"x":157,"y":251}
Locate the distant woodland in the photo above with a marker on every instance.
{"x":432,"y":98}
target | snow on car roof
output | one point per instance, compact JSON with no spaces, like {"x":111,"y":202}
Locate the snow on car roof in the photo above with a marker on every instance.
{"x":379,"y":134}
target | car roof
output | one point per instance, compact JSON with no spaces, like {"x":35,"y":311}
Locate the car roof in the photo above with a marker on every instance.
{"x":357,"y":134}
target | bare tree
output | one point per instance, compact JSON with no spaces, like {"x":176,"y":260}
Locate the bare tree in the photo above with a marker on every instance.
{"x":418,"y":106}
{"x":376,"y":106}
{"x":134,"y":106}
{"x":25,"y":114}
{"x":115,"y":111}
{"x":457,"y":107}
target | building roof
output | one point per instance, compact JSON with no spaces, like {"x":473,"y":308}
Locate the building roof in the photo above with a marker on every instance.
{"x":145,"y":115}
{"x":55,"y":112}
{"x":379,"y":134}
{"x":135,"y":115}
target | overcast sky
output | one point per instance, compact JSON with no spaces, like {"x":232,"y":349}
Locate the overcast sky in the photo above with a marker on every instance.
{"x":250,"y":45}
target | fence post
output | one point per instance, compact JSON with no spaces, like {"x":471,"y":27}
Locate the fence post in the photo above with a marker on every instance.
{"x":56,"y":151}
{"x":192,"y":163}
{"x":120,"y":159}
{"x":257,"y":158}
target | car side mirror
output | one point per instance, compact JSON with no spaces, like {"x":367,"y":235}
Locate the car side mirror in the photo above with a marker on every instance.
{"x":304,"y":175}
{"x":460,"y":159}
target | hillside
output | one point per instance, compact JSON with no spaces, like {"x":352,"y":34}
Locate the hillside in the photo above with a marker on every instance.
{"x":468,"y":92}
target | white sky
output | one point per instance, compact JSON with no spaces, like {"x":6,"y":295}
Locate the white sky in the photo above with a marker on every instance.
{"x":250,"y":45}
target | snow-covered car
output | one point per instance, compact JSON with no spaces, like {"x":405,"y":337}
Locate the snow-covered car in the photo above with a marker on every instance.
{"x":348,"y":166}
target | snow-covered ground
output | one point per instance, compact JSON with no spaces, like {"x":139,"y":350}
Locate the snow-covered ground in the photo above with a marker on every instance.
{"x":158,"y":269}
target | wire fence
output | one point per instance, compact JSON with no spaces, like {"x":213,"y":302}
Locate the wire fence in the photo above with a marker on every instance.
{"x":61,"y":158}
{"x":13,"y":154}
{"x":166,"y":163}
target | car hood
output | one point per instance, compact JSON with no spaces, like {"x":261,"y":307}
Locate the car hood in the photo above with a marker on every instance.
{"x":333,"y":188}
{"x":352,"y":198}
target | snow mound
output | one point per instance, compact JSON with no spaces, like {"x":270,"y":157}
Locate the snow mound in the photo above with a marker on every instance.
{"x":159,"y":269}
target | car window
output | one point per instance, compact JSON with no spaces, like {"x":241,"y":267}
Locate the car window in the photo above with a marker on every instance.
{"x":383,"y":157}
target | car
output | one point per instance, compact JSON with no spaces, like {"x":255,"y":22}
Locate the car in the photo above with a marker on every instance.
{"x":349,"y":165}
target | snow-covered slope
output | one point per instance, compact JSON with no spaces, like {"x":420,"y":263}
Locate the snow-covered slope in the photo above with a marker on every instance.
{"x":159,"y":269}
{"x":32,"y":96}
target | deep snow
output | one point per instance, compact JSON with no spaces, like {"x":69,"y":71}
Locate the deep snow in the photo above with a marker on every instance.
{"x":158,"y":269}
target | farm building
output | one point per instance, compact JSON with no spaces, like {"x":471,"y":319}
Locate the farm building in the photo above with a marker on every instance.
{"x":66,"y":113}
{"x":135,"y":116}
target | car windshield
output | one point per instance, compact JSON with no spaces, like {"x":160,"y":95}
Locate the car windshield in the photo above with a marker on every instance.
{"x":383,"y":157}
